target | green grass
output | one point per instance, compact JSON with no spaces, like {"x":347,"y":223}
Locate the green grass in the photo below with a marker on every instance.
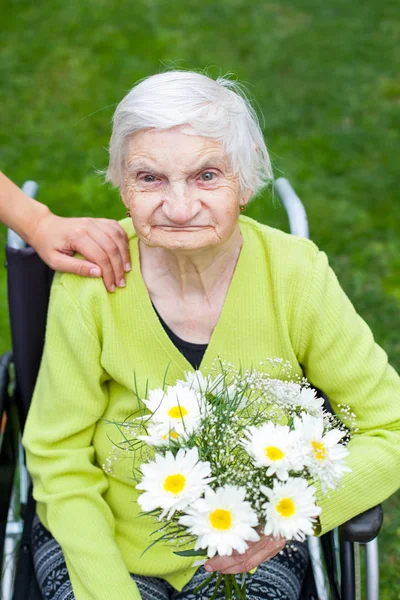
{"x":325,"y":74}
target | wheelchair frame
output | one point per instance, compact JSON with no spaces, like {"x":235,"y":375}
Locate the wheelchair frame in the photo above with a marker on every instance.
{"x":335,"y":557}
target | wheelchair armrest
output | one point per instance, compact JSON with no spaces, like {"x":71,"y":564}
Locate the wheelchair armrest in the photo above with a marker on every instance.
{"x":364,"y":527}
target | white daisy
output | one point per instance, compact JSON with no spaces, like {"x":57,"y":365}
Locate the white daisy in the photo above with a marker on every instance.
{"x":155,"y":399}
{"x":273,"y":446}
{"x":197,"y":382}
{"x":173,"y":483}
{"x":309,"y":400}
{"x":324,"y":454}
{"x":291,"y":510}
{"x":159,"y":435}
{"x":178,"y":408}
{"x":222,"y":521}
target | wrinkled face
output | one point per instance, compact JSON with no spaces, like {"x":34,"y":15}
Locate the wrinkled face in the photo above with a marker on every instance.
{"x":180,"y":190}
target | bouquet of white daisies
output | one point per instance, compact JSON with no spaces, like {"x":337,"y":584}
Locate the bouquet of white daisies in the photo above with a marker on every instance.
{"x":234,"y":455}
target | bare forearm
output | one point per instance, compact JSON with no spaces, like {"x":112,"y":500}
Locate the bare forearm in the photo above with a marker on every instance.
{"x":18,"y":211}
{"x":102,"y":242}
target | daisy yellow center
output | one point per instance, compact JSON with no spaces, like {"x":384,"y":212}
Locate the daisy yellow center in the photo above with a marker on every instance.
{"x":319,"y":450}
{"x":286,"y":507}
{"x":273,"y":453}
{"x":172,"y":435}
{"x":176,"y":412}
{"x":174,"y":483}
{"x":221,"y":519}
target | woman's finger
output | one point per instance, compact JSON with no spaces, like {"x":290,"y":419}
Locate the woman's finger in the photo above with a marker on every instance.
{"x":100,"y":241}
{"x":93,"y":252}
{"x":69,"y":264}
{"x":119,"y":236}
{"x":98,"y":247}
{"x":257,"y":553}
{"x":105,"y":253}
{"x":110,"y":260}
{"x":253,"y":560}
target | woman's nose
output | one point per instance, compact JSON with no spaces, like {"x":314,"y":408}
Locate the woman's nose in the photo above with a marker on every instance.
{"x":181,"y":204}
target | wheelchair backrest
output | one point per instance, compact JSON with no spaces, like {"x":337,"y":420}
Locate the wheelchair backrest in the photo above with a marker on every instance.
{"x":29,"y":282}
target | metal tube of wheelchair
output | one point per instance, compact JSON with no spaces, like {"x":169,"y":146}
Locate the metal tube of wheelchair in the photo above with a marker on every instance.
{"x":372,"y":570}
{"x":347,"y":571}
{"x":30,"y":188}
{"x":13,"y":535}
{"x":317,"y":561}
{"x":294,"y":207}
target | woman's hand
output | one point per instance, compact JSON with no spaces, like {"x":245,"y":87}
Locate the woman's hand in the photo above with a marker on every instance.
{"x":102,"y":242}
{"x":257,"y":553}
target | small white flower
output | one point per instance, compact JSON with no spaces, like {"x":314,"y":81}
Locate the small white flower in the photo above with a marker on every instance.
{"x":324,"y":454}
{"x":289,"y":392}
{"x":291,"y":510}
{"x":173,"y":483}
{"x":178,"y":408}
{"x":223,"y":521}
{"x":284,"y":391}
{"x":273,"y":446}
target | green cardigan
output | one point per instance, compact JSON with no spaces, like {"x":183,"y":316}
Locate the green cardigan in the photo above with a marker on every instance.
{"x":283,"y":301}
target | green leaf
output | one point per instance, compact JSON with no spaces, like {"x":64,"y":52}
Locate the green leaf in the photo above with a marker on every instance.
{"x":191,"y":553}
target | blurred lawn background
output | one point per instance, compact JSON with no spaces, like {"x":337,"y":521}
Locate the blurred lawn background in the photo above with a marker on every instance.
{"x":325,"y":75}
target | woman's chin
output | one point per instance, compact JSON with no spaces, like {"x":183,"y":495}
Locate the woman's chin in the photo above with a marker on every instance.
{"x":183,"y":240}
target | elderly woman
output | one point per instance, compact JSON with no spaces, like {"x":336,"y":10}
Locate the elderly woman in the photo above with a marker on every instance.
{"x":188,"y":155}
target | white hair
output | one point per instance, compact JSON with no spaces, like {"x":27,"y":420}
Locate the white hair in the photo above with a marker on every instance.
{"x":218,"y":109}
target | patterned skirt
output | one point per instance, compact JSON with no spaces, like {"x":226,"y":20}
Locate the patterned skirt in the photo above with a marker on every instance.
{"x":277,"y":579}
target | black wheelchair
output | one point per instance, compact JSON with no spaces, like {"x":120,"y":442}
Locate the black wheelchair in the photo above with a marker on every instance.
{"x":334,"y":571}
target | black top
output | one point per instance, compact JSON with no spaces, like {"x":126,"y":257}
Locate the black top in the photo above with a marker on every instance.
{"x":192,"y":352}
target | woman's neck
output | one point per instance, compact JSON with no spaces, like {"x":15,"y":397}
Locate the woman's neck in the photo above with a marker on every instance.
{"x":187,"y":274}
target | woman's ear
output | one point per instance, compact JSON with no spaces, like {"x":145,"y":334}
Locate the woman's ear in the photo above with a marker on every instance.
{"x":123,"y":194}
{"x":245,"y":199}
{"x":125,"y":202}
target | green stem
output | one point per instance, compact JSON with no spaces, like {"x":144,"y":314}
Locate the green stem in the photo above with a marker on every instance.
{"x":217,"y":584}
{"x":228,"y":586}
{"x":206,"y":582}
{"x":240,"y":593}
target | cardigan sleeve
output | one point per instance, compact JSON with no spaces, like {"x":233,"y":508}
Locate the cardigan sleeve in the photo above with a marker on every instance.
{"x":69,"y":398}
{"x":339,"y":356}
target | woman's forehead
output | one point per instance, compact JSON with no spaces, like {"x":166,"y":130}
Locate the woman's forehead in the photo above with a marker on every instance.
{"x":174,"y":147}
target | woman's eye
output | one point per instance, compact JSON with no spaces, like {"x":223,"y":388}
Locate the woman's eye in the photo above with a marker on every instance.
{"x":149,"y":178}
{"x":207,"y":176}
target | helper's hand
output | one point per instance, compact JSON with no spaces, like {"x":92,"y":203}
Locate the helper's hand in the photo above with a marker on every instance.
{"x":257,"y":553}
{"x":102,"y":242}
